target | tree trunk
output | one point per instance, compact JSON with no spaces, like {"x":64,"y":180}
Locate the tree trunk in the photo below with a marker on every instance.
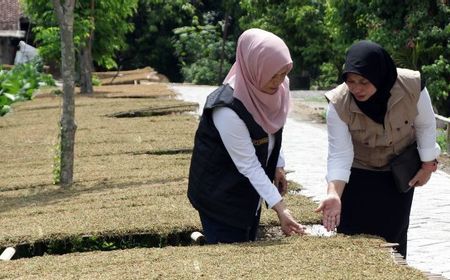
{"x":86,"y":69}
{"x":86,"y":62}
{"x":64,"y":11}
{"x":224,"y":38}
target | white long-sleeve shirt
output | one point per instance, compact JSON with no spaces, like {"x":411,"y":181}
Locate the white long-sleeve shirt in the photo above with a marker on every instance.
{"x":340,"y":146}
{"x":237,"y":141}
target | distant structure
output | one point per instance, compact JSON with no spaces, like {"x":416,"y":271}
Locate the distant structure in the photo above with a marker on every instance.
{"x":13,"y":28}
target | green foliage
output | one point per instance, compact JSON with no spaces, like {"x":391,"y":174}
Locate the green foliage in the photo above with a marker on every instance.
{"x":438,"y":86}
{"x":204,"y":71}
{"x":441,"y":139}
{"x":108,"y":243}
{"x":50,"y":42}
{"x":111,"y":24}
{"x":327,"y":77}
{"x":300,"y":23}
{"x":422,"y":43}
{"x":198,"y":49}
{"x":150,"y":44}
{"x":96,"y":81}
{"x":318,"y":34}
{"x":20,"y":83}
{"x":56,"y":172}
{"x":416,"y":33}
{"x":80,"y":244}
{"x":107,"y":19}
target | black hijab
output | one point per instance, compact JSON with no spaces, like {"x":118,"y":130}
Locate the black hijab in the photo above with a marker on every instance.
{"x":371,"y":61}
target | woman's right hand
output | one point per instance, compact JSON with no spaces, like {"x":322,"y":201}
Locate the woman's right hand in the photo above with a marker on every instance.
{"x":331,"y":211}
{"x":288,"y":224}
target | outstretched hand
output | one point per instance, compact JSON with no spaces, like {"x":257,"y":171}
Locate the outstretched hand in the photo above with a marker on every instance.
{"x":288,"y":224}
{"x":331,"y":211}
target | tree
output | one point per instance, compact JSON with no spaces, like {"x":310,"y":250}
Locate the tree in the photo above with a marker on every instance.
{"x":232,"y":9}
{"x":199,"y":49}
{"x":300,"y":24}
{"x":85,"y":53}
{"x":65,"y":15}
{"x":109,"y":22}
{"x":416,"y":33}
{"x":344,"y":25}
{"x":151,"y":41}
{"x":99,"y":33}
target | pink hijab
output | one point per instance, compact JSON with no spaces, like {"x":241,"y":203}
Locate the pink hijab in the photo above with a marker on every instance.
{"x":259,"y":56}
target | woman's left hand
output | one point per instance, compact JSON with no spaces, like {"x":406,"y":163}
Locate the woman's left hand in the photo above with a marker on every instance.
{"x":280,"y":180}
{"x":421,"y":178}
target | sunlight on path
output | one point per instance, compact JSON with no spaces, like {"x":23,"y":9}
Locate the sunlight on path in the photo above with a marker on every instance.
{"x":305,"y":152}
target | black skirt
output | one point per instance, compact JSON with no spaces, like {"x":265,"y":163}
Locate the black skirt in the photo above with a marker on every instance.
{"x":372,"y":205}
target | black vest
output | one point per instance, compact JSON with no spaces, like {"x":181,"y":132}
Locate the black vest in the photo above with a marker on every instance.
{"x":216,"y":188}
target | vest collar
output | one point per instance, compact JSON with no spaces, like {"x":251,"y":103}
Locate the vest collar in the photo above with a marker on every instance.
{"x":396,"y":95}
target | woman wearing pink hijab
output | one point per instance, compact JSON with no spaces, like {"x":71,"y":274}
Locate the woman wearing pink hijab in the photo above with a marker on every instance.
{"x":237,"y":161}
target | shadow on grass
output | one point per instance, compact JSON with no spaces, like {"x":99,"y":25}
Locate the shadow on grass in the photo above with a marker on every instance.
{"x":51,"y":196}
{"x":155,"y":111}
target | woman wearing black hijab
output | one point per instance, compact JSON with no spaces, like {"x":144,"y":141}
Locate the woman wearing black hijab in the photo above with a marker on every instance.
{"x":374,"y":115}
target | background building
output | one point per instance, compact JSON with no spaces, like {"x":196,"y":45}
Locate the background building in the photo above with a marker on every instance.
{"x":12,"y":29}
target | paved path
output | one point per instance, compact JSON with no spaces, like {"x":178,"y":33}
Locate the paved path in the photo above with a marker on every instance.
{"x":305,"y":147}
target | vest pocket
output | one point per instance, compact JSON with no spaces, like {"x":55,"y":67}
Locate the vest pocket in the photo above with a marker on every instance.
{"x":362,"y":138}
{"x":402,"y":127}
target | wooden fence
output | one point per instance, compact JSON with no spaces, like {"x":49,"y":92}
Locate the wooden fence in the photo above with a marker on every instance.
{"x":447,"y":121}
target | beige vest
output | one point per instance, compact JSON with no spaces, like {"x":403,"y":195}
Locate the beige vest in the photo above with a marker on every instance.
{"x":374,"y":145}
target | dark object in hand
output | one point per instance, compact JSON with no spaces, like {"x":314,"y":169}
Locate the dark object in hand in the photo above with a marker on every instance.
{"x":405,"y":166}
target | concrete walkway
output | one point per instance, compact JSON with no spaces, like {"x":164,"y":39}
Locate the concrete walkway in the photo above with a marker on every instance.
{"x":305,"y":149}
